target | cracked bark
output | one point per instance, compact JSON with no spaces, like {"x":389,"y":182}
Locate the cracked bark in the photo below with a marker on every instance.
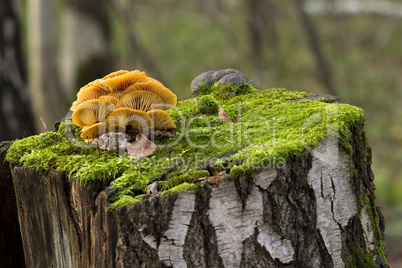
{"x":305,"y":214}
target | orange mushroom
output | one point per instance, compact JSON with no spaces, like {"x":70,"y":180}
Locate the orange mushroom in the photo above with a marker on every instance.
{"x":168,"y":96}
{"x":91,"y":112}
{"x":109,"y":98}
{"x":140,"y":100}
{"x":87,"y":93}
{"x":93,"y":131}
{"x":121,"y":82}
{"x":138,"y":120}
{"x":114,"y":74}
{"x":116,"y":128}
{"x":161,"y":120}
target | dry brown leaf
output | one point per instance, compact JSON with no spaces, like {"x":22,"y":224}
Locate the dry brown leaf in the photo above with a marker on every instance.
{"x":223,"y":116}
{"x":200,"y":180}
{"x":142,"y":147}
{"x":215,"y":178}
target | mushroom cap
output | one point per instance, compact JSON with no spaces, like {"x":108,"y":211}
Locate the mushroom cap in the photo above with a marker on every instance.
{"x":114,"y":74}
{"x":121,"y":82}
{"x":93,"y":131}
{"x":87,"y":93}
{"x":109,"y":98}
{"x":152,"y":85}
{"x":141,"y":100}
{"x":117,"y":94}
{"x":91,"y":112}
{"x":161,"y":119}
{"x":139,"y":120}
{"x":116,"y":128}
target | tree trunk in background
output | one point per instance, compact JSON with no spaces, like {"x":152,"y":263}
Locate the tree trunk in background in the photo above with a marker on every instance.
{"x":254,"y":28}
{"x":85,"y":49}
{"x":15,"y":113}
{"x":315,"y":47}
{"x":137,"y":53}
{"x":44,"y":89}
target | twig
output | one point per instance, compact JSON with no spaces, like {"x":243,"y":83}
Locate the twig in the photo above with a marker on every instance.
{"x":43,"y":122}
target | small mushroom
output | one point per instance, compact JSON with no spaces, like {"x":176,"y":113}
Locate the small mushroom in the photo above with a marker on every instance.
{"x":109,"y":98}
{"x":138,"y":120}
{"x":87,"y":93}
{"x":91,"y":132}
{"x":161,"y":120}
{"x":116,"y":128}
{"x":91,"y":112}
{"x":121,"y":82}
{"x":114,"y":74}
{"x":140,"y":100}
{"x":169,"y":98}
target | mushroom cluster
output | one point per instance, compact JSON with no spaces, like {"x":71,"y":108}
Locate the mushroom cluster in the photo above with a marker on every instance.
{"x":122,"y":100}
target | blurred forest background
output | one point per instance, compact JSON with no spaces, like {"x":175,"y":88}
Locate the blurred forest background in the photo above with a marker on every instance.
{"x":348,"y":48}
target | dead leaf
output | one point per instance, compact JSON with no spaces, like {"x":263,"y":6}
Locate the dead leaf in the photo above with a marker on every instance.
{"x":142,"y":147}
{"x":223,"y":116}
{"x":215,"y":178}
{"x":200,"y":180}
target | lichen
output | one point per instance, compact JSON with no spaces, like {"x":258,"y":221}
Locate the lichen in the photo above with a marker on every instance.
{"x":273,"y":128}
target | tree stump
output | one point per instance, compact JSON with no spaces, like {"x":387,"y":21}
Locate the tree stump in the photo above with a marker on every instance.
{"x":316,"y":210}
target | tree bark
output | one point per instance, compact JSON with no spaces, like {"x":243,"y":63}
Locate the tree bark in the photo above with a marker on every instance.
{"x":307,"y":213}
{"x":11,"y":251}
{"x":15,"y":112}
{"x":85,"y":49}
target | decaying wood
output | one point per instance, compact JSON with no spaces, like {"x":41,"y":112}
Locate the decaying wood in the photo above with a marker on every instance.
{"x":304,"y":214}
{"x":11,"y":251}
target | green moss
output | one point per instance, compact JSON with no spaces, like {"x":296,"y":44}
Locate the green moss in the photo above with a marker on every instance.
{"x":366,"y":258}
{"x":172,"y":193}
{"x":227,"y":91}
{"x":126,"y":200}
{"x":208,"y":105}
{"x":273,"y":128}
{"x":188,"y":177}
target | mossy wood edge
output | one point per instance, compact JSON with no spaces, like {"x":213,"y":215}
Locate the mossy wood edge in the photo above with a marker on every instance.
{"x":300,"y":128}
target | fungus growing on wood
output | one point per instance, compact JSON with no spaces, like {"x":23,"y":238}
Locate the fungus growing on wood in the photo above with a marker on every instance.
{"x":119,"y":102}
{"x":91,"y":112}
{"x":89,"y":133}
{"x":168,"y":96}
{"x":109,"y":98}
{"x":116,"y":128}
{"x":161,"y":120}
{"x":121,"y":82}
{"x":141,"y":100}
{"x":114,"y":74}
{"x":138,"y":120}
{"x":87,"y":93}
